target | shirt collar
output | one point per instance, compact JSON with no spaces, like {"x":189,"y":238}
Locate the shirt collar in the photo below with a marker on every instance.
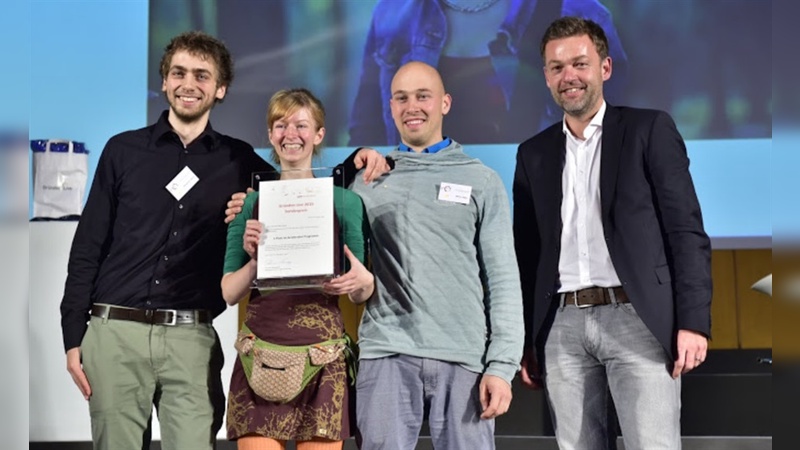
{"x":162,"y":131}
{"x":594,"y":124}
{"x":432,"y":149}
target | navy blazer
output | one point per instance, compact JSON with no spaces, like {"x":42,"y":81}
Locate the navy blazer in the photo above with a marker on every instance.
{"x":651,"y":221}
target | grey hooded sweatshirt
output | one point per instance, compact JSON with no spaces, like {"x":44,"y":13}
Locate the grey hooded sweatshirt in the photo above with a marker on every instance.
{"x":447,"y":281}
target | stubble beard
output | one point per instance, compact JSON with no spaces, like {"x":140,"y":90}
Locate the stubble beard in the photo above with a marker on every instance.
{"x":191,"y":116}
{"x":578,"y":108}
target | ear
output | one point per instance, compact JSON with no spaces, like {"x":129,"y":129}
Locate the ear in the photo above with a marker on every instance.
{"x":221,"y":90}
{"x":164,"y":85}
{"x":605,"y":68}
{"x":318,"y":137}
{"x":446,"y":102}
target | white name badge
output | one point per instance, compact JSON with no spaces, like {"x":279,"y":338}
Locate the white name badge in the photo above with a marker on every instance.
{"x":457,"y":193}
{"x":182,"y":183}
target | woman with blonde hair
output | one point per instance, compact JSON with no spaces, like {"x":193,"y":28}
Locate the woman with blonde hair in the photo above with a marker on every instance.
{"x":261,"y":416}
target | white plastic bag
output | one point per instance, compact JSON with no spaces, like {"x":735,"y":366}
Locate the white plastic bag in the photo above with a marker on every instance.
{"x":60,"y":171}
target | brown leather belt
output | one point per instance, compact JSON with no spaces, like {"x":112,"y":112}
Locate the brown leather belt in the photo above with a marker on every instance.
{"x":153,"y":316}
{"x":595,"y":296}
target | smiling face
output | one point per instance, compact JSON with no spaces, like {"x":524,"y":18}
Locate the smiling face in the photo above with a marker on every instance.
{"x":418,"y":105}
{"x":575,"y":73}
{"x":294,"y":138}
{"x":192,"y":86}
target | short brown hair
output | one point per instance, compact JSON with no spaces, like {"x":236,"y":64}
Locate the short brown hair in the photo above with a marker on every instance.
{"x":286,"y":102}
{"x":576,"y":26}
{"x":205,"y":46}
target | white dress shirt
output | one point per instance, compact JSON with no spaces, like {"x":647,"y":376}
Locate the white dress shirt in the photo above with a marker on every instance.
{"x":584,"y":260}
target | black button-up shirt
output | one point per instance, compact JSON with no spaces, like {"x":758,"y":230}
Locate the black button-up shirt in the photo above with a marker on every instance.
{"x":138,"y":246}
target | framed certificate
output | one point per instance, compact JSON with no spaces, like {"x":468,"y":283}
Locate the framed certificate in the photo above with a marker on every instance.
{"x":298,"y":245}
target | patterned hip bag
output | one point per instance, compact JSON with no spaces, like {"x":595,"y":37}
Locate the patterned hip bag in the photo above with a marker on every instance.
{"x":279,"y":373}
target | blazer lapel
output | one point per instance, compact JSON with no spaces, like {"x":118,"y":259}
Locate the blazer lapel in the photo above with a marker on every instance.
{"x":613,"y":132}
{"x":552,"y":176}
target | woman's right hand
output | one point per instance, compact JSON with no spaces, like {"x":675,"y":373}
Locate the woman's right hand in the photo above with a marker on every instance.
{"x":358,"y":283}
{"x":252,"y":237}
{"x":373,"y":162}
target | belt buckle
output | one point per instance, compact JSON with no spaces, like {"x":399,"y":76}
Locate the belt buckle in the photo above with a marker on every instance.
{"x":174,"y":320}
{"x":575,"y":301}
{"x":103,"y":311}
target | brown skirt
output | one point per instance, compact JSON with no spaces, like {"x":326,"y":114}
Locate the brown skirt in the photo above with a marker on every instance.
{"x":323,"y":409}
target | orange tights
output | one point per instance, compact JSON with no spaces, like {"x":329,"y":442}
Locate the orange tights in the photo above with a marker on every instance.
{"x":263,"y":443}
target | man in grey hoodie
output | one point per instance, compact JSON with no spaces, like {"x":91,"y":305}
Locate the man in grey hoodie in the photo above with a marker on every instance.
{"x":442,"y":336}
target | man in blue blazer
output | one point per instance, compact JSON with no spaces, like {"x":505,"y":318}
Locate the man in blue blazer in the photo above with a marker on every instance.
{"x":614,"y":262}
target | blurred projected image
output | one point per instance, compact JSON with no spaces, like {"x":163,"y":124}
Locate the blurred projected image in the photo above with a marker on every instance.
{"x":682,"y":56}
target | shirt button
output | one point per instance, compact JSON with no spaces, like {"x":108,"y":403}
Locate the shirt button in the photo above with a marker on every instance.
{"x":166,"y":258}
{"x":158,"y":282}
{"x":174,"y":233}
{"x":180,"y":206}
{"x":149,"y":302}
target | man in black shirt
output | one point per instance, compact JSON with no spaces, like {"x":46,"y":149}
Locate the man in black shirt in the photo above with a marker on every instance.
{"x":146,"y":261}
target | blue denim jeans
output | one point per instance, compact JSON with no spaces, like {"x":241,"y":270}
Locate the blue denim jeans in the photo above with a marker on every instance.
{"x":395,"y":393}
{"x":591,"y":351}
